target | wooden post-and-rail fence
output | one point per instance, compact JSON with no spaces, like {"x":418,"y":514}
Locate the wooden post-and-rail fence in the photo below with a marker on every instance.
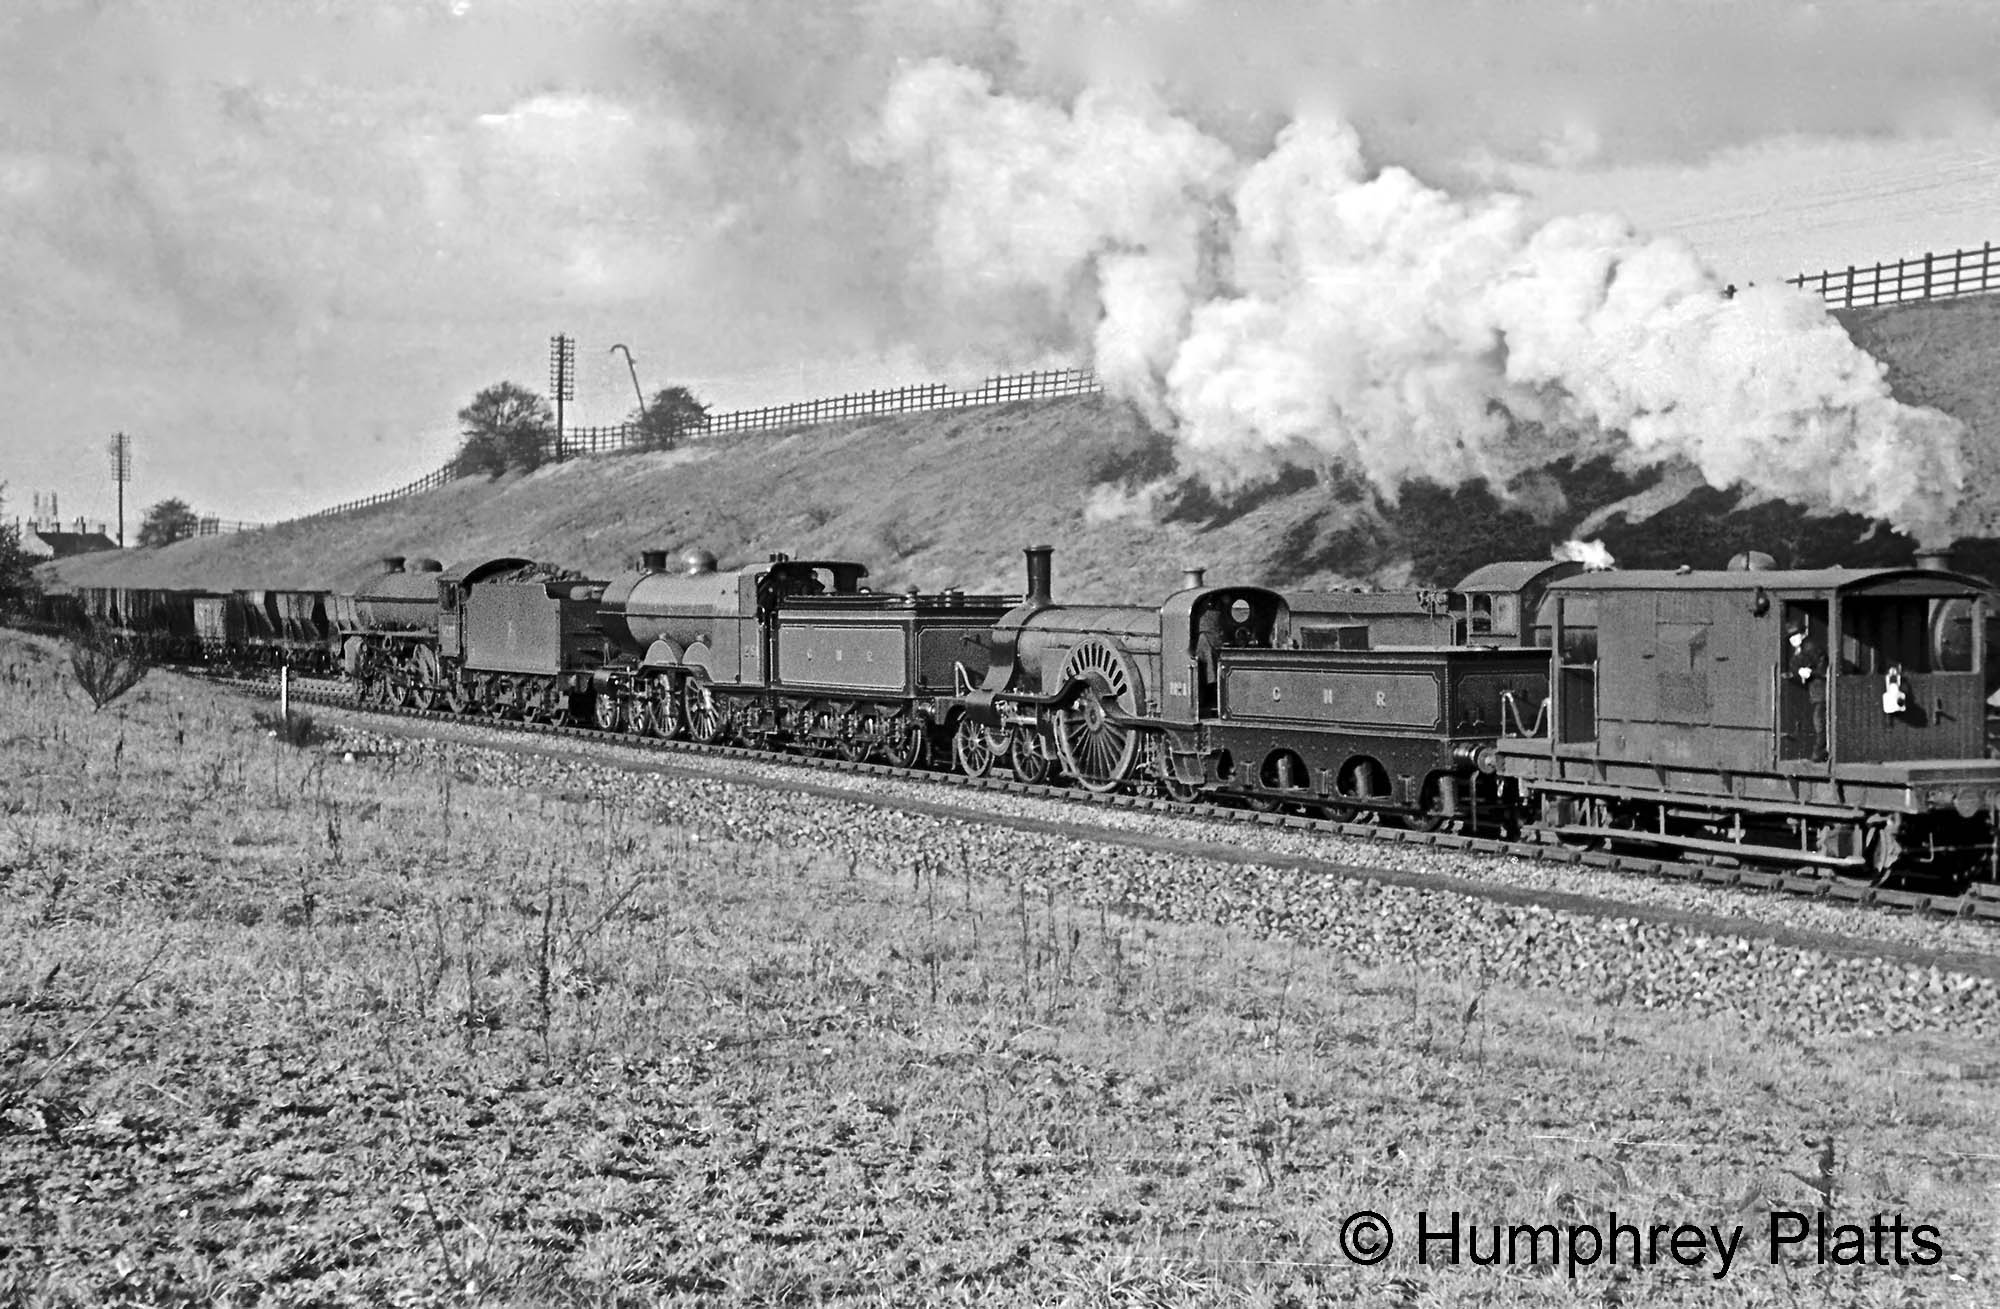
{"x":1922,"y":277}
{"x":806,"y":413}
{"x":1931,"y":276}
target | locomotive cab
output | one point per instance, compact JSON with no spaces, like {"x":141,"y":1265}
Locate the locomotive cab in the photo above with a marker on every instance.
{"x":1197,"y":626}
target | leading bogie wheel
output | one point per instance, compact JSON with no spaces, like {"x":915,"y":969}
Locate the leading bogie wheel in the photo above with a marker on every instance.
{"x":976,"y":749}
{"x":1028,"y":761}
{"x":606,"y":710}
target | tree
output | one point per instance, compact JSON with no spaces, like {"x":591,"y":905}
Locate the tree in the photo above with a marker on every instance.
{"x":167,"y":522}
{"x":17,"y":575}
{"x":506,"y":426}
{"x":672,"y":416}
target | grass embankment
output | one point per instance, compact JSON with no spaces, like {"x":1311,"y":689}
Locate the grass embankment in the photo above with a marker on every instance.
{"x":950,"y":498}
{"x":276,"y":1025}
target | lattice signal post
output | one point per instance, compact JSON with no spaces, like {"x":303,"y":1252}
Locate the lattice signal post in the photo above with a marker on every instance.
{"x":121,"y":472}
{"x":562,"y":380}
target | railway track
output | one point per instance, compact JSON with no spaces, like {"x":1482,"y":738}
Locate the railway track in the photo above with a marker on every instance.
{"x":1976,"y":903}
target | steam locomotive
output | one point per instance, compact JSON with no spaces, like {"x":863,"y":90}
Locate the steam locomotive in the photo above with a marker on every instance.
{"x":1665,"y":710}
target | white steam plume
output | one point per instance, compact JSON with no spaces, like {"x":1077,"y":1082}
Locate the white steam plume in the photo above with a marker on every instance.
{"x":1595,"y":556}
{"x":1294,"y":308}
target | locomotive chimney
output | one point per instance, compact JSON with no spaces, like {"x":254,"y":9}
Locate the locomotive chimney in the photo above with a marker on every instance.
{"x":1191,"y":578}
{"x":392,"y":563}
{"x":653,"y":561}
{"x":1040,"y":574}
{"x":1936,"y":558}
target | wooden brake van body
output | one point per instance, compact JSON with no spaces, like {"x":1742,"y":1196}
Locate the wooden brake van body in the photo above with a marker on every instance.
{"x":1681,"y":717}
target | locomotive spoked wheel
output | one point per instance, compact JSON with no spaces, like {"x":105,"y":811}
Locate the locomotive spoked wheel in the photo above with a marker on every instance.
{"x":455,"y":698}
{"x":704,"y":716}
{"x":1098,"y":753}
{"x":976,"y":749}
{"x":1170,"y":784}
{"x":827,"y":726}
{"x":424,"y":678}
{"x":1030,"y":765}
{"x":659,"y":707}
{"x":548,"y":702}
{"x":607,"y":710}
{"x":904,"y":741}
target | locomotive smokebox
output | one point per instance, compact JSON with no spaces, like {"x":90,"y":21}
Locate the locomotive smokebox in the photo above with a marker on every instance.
{"x":653,"y":561}
{"x":1936,"y":558}
{"x":1041,"y":574}
{"x":1193,"y":579}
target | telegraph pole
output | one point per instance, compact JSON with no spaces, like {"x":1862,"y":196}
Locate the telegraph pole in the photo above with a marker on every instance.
{"x":562,"y":380}
{"x":121,"y":471}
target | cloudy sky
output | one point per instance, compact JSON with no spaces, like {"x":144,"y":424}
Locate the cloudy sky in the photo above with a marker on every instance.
{"x":280,"y":244}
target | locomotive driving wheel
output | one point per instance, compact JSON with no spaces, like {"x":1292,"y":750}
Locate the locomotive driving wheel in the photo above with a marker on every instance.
{"x":424,"y":678}
{"x":1096,"y":751}
{"x":655,"y":710}
{"x":976,"y":749}
{"x":704,"y":716}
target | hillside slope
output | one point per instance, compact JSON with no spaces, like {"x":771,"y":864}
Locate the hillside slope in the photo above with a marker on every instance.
{"x":950,"y":498}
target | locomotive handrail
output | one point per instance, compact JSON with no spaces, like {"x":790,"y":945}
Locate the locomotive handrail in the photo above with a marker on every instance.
{"x":1510,"y":709}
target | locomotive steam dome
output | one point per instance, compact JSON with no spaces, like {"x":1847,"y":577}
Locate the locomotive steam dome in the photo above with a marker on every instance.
{"x":696,"y":561}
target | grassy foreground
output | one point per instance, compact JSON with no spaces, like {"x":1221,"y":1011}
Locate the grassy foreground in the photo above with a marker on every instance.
{"x":279,"y":1028}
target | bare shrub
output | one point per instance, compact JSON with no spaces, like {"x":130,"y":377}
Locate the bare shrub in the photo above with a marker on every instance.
{"x":103,"y":669}
{"x":294,"y":729}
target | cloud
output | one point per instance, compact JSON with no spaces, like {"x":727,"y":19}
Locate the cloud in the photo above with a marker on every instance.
{"x":340,"y":219}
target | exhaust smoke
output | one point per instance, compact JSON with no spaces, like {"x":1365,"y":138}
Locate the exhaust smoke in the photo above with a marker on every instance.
{"x":1295,"y":307}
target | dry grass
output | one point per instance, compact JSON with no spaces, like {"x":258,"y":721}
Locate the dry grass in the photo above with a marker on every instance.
{"x":283,"y":1027}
